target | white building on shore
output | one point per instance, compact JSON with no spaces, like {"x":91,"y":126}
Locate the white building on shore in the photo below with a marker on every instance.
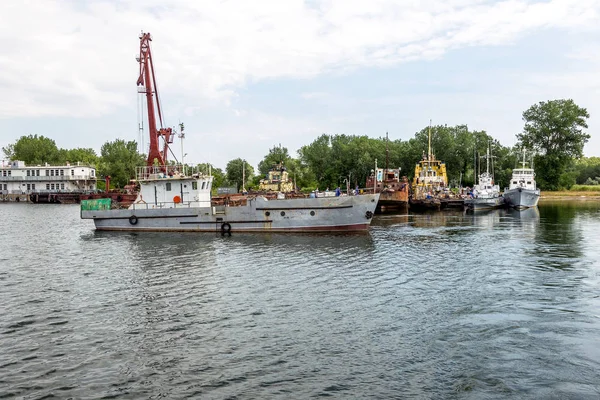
{"x":18,"y":178}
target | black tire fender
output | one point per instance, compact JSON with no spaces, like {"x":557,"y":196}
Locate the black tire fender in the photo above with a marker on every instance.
{"x":133,"y":220}
{"x":369,"y":215}
{"x":226,"y":228}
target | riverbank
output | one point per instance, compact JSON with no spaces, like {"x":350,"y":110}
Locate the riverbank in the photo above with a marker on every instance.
{"x":570,"y":195}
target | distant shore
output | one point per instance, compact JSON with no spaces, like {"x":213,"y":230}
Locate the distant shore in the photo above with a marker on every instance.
{"x":570,"y":195}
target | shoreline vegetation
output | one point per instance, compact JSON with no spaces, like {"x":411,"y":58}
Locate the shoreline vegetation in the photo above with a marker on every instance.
{"x":579,"y":192}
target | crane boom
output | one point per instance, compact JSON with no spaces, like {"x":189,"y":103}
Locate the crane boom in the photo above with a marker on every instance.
{"x":147,"y":79}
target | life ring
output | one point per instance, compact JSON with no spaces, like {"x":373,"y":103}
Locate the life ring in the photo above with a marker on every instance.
{"x":225,"y":229}
{"x":119,"y":198}
{"x":369,"y":215}
{"x":133,"y":220}
{"x":176,"y":199}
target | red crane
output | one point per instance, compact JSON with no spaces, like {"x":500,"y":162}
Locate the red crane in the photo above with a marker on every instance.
{"x":147,"y":79}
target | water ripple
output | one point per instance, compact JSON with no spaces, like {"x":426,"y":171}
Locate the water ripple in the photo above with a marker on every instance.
{"x":447,"y":305}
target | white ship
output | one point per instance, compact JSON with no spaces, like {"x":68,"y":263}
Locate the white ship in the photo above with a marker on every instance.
{"x":485,"y":195}
{"x":47,"y":183}
{"x":522,"y":191}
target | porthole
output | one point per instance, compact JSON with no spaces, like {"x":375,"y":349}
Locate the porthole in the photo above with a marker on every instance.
{"x":267,"y":213}
{"x":283,"y":213}
{"x":312,"y":213}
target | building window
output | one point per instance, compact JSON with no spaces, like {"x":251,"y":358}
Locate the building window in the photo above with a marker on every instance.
{"x":168,"y":186}
{"x":62,"y":172}
{"x":56,"y":172}
{"x":33,"y":186}
{"x":28,"y":173}
{"x":51,"y":172}
{"x":3,"y":173}
{"x":62,"y":186}
{"x":37,"y":172}
{"x":72,"y":172}
{"x":47,"y":173}
{"x":93,"y":173}
{"x":47,"y":186}
{"x":8,"y":173}
{"x":28,"y":186}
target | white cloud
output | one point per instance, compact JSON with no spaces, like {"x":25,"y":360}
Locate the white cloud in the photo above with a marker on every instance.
{"x":77,"y":59}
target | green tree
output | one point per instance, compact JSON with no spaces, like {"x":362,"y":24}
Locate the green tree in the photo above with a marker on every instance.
{"x":235,"y":170}
{"x":554,"y":131}
{"x":276,"y":155}
{"x":33,"y":149}
{"x":87,"y":156}
{"x":219,"y":178}
{"x":119,"y":160}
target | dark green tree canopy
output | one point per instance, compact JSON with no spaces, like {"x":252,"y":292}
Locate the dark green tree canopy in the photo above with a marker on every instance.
{"x":119,"y":161}
{"x":234,"y":171}
{"x":276,"y":155}
{"x":33,"y":149}
{"x":554,"y":130}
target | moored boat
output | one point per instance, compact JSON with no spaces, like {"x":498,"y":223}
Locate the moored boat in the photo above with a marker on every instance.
{"x":485,"y":194}
{"x":429,"y":183}
{"x":522,"y":191}
{"x":183,"y":203}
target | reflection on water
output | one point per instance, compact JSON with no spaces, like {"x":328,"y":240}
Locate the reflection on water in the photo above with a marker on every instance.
{"x":498,"y":304}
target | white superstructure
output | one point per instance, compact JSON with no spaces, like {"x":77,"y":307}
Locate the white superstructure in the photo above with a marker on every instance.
{"x":18,"y":178}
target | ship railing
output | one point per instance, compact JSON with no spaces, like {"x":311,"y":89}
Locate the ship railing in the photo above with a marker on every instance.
{"x":161,"y":205}
{"x":155,"y":172}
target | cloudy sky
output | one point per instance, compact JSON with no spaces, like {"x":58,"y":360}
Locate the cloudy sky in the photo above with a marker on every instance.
{"x":247,"y":75}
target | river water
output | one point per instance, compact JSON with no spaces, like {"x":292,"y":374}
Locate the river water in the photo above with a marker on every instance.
{"x":495,"y":305}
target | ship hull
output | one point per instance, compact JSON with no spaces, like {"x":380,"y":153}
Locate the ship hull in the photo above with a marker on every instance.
{"x":521,"y":198}
{"x":333,"y":214}
{"x":484,"y":203}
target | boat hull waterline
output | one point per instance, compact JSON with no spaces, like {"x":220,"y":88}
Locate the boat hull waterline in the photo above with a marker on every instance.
{"x":484,"y":203}
{"x":334,"y":214}
{"x":522,"y":198}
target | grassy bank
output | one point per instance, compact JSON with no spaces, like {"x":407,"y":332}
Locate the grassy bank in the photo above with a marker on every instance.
{"x":577,"y":192}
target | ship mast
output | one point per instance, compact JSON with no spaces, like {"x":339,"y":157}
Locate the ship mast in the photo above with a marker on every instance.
{"x":147,"y":81}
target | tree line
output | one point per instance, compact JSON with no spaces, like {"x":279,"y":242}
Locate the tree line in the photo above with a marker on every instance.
{"x":552,"y":136}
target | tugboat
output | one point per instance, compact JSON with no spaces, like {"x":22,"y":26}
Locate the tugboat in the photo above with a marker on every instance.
{"x":522,"y":191}
{"x":485,"y":195}
{"x":429,"y":181}
{"x":171,"y":201}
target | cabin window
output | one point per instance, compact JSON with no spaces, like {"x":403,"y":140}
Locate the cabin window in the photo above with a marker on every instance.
{"x":168,"y":186}
{"x":529,"y":183}
{"x":28,"y":186}
{"x":52,"y":186}
{"x":203,"y":183}
{"x":47,"y":185}
{"x":62,"y":186}
{"x":9,"y":173}
{"x":47,"y":173}
{"x":3,"y":173}
{"x":37,"y":172}
{"x":33,"y":186}
{"x":51,"y":172}
{"x":194,"y":185}
{"x":28,"y":173}
{"x":514,"y":182}
{"x":93,"y":172}
{"x":62,"y":172}
{"x":72,"y":172}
